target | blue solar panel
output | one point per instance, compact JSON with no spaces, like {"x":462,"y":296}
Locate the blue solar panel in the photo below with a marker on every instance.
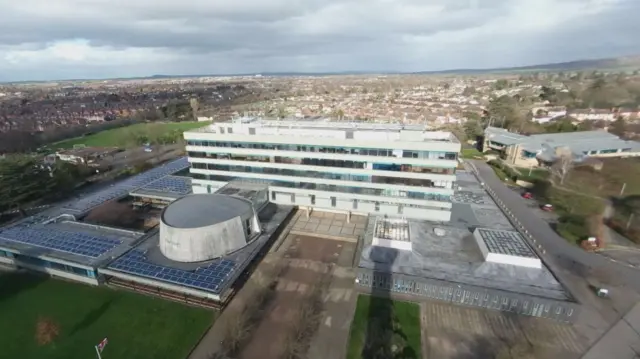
{"x":207,"y":278}
{"x":170,"y":184}
{"x":61,"y":240}
{"x":121,"y":189}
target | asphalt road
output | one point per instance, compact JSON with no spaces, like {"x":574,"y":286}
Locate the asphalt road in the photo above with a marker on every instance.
{"x":557,"y":247}
{"x":579,"y":271}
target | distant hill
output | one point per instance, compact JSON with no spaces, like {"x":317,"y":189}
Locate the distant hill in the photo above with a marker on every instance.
{"x":626,"y":62}
{"x":618,"y":63}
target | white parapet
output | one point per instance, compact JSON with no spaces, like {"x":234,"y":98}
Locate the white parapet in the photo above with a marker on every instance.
{"x":505,"y":247}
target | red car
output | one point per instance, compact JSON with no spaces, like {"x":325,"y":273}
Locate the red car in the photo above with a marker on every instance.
{"x":527,"y":195}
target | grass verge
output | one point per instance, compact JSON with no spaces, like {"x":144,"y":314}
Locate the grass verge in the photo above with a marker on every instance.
{"x":471,"y":153}
{"x":380,"y":324}
{"x":130,"y":136}
{"x":80,"y":316}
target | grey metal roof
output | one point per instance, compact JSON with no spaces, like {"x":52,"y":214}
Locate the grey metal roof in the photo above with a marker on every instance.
{"x":579,"y":142}
{"x":200,"y":210}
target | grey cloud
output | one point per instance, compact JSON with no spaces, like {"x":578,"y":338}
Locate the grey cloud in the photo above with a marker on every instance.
{"x":315,"y":35}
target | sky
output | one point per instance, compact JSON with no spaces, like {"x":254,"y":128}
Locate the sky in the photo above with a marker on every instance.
{"x":72,"y":39}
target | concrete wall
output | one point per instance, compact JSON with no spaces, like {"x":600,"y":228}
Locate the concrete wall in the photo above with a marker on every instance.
{"x":200,"y":244}
{"x":324,"y":202}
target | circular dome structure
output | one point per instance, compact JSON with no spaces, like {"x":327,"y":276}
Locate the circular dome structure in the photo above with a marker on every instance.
{"x":201,"y":227}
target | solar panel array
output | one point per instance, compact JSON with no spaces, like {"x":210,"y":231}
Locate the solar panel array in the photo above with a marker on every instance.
{"x":170,"y":184}
{"x":506,"y":242}
{"x":121,"y":189}
{"x":60,"y":240}
{"x":208,"y":278}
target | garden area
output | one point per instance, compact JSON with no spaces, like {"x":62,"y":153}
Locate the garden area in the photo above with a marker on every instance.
{"x":384,"y":328}
{"x":54,"y":319}
{"x":133,"y":135}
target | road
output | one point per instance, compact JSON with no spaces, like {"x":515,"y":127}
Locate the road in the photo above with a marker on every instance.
{"x":578,"y":270}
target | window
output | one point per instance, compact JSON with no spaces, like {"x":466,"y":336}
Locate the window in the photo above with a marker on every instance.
{"x":222,"y":130}
{"x":293,"y":198}
{"x":377,"y":207}
{"x":230,"y":130}
{"x":355,"y":204}
{"x":313,"y":199}
{"x":252,"y":131}
{"x":248,"y":226}
{"x":273,"y":196}
{"x":333,"y":201}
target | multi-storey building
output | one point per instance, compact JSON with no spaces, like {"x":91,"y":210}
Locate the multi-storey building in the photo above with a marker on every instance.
{"x":363,"y":168}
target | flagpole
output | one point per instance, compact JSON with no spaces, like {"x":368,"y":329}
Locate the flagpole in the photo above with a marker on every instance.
{"x":98,"y":352}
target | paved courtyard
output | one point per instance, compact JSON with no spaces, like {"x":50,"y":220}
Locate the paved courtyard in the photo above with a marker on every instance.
{"x":467,"y":333}
{"x":329,"y":225}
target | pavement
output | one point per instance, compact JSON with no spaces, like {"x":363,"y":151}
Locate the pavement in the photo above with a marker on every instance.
{"x":579,"y":271}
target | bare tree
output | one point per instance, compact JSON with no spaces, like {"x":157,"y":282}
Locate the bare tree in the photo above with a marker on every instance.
{"x":306,"y":321}
{"x":563,"y":163}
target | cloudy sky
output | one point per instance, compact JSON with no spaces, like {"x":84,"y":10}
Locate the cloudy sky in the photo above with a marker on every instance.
{"x":57,"y":39}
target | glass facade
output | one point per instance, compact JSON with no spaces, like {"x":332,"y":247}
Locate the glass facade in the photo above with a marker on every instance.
{"x":37,"y":262}
{"x":332,"y":188}
{"x":379,"y":152}
{"x":324,"y":175}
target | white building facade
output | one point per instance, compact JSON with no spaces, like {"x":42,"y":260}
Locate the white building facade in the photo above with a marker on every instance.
{"x":363,"y":168}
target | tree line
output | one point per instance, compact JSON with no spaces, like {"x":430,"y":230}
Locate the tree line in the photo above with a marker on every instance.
{"x":26,"y":181}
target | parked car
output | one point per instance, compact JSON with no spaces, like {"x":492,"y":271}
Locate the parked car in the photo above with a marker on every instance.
{"x":527,"y":195}
{"x":547,"y":207}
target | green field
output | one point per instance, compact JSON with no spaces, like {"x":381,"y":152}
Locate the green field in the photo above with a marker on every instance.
{"x":137,"y":326}
{"x":395,"y":324}
{"x":471,"y":153}
{"x":129,"y":136}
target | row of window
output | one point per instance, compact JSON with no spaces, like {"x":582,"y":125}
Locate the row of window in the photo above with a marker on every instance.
{"x":463,"y":296}
{"x":321,"y":162}
{"x":324,"y":175}
{"x":331,"y":188}
{"x":354,"y":203}
{"x":57,"y":266}
{"x":380,"y":152}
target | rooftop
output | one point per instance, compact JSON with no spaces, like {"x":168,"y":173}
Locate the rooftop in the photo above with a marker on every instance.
{"x":579,"y":141}
{"x":201,"y":210}
{"x":449,"y":252}
{"x":214,"y":276}
{"x":328,"y":128}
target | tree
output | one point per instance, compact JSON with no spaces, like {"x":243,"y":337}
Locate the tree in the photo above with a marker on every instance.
{"x":501,"y":84}
{"x":563,"y":164}
{"x":564,"y":124}
{"x":282,"y":112}
{"x":618,"y":127}
{"x":505,"y":112}
{"x":195,"y":105}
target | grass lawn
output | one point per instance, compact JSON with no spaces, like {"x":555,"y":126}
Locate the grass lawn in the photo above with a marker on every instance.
{"x":137,"y":326}
{"x":126,"y":136}
{"x":371,"y":311}
{"x":471,"y":153}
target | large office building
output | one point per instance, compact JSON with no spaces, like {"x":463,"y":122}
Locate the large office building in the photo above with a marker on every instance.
{"x":355,"y":168}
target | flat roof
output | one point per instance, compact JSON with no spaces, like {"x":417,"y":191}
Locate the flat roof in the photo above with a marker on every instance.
{"x":449,"y":252}
{"x":55,"y":233}
{"x":147,"y":262}
{"x":121,"y":189}
{"x":579,"y":141}
{"x":67,"y":240}
{"x":170,"y":187}
{"x":201,"y":210}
